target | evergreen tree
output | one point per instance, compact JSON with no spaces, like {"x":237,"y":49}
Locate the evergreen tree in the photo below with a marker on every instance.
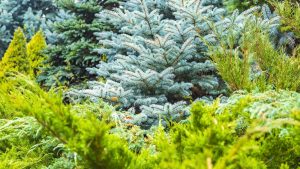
{"x":35,"y":52}
{"x":74,"y":51}
{"x":15,"y":58}
{"x":156,"y":58}
{"x":29,"y":14}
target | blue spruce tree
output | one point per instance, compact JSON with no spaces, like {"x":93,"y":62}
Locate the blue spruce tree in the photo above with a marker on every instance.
{"x":157,"y":57}
{"x":31,"y":15}
{"x":156,"y":60}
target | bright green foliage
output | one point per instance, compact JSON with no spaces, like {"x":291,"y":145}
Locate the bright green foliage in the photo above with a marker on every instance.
{"x":253,"y":128}
{"x":239,"y":134}
{"x":84,"y":134}
{"x":280,"y":70}
{"x":35,"y":54}
{"x":248,"y":131}
{"x":15,"y":58}
{"x":254,"y":63}
{"x":234,"y":69}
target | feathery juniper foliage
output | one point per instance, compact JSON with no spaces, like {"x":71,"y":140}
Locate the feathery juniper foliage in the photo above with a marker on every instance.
{"x":259,"y":130}
{"x":82,"y":133}
{"x":73,"y":52}
{"x":31,"y":15}
{"x":25,"y":144}
{"x":156,"y":59}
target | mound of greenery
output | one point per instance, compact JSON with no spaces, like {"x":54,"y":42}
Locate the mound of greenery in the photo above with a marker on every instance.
{"x":255,"y":130}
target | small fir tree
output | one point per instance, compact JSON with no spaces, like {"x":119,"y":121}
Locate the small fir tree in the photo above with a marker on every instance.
{"x":35,"y":49}
{"x":15,"y":58}
{"x":69,"y":57}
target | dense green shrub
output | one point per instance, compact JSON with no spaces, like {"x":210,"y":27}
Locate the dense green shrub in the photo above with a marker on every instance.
{"x":249,"y":131}
{"x":82,"y":133}
{"x":259,"y":130}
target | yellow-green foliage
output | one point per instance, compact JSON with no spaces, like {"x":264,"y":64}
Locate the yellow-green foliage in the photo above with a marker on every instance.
{"x":281,"y":71}
{"x":35,"y":48}
{"x":25,"y":144}
{"x":235,"y":63}
{"x":255,"y":63}
{"x":234,"y":69}
{"x":15,"y":58}
{"x":82,"y":133}
{"x":249,"y":131}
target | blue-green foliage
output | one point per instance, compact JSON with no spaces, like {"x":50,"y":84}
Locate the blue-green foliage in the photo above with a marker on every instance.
{"x":158,"y":56}
{"x":278,"y":37}
{"x":29,"y":14}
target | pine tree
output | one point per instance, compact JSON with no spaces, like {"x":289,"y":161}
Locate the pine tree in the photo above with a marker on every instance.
{"x":74,"y":51}
{"x":156,"y":59}
{"x":35,"y":52}
{"x":15,"y":58}
{"x":31,"y":15}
